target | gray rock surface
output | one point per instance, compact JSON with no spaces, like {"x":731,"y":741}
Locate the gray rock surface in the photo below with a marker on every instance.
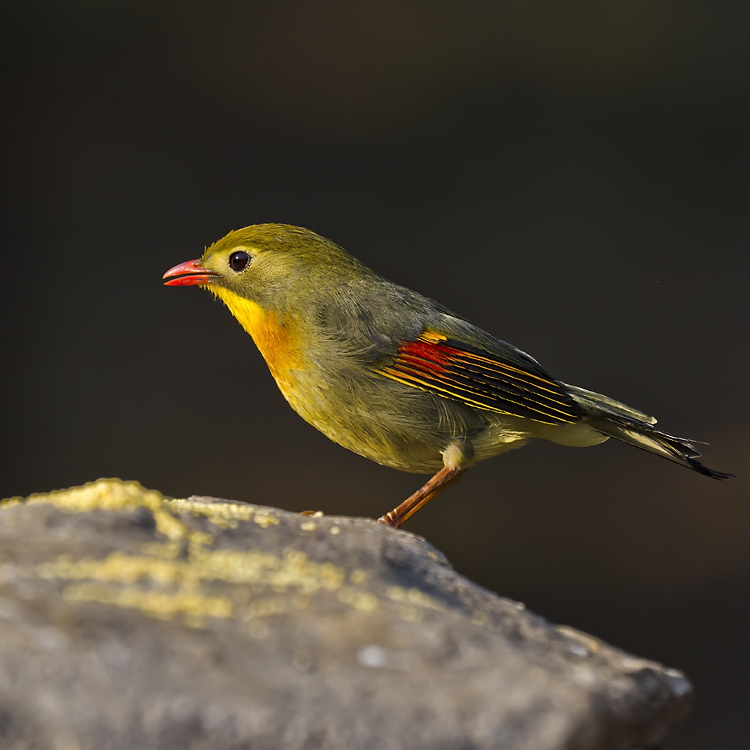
{"x":131,"y":621}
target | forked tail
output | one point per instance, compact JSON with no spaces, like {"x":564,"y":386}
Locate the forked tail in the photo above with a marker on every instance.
{"x":635,"y":428}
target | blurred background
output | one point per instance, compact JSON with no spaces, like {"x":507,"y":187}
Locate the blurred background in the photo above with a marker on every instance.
{"x":572,"y":177}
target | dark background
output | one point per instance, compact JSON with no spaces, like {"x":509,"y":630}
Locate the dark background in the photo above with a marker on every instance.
{"x":573,"y":177}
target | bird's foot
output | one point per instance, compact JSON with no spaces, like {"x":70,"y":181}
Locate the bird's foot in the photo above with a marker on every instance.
{"x":390,"y":519}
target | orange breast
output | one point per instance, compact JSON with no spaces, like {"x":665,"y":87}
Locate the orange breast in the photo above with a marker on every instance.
{"x":278,"y":344}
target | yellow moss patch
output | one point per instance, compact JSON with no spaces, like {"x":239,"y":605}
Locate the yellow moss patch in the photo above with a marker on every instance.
{"x":109,"y":494}
{"x":219,"y":511}
{"x":224,"y":515}
{"x":104,"y":494}
{"x":170,"y":578}
{"x":293,"y":570}
{"x":361,"y":600}
{"x":161,"y":604}
{"x":413,"y":596}
{"x":177,"y":584}
{"x":265,"y":519}
{"x":274,"y":605}
{"x":168,"y":551}
{"x":410,"y":613}
{"x":117,"y":567}
{"x":479,"y":618}
{"x":358,"y":576}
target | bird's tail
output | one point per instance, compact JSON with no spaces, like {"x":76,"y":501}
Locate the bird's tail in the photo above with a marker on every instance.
{"x":622,"y":422}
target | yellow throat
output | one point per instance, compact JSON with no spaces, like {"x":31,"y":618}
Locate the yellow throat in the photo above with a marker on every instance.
{"x":275,"y":336}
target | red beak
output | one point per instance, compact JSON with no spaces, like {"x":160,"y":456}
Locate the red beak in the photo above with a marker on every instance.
{"x":189,"y":273}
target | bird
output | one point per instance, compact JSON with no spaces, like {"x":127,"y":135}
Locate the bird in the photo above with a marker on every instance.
{"x":395,"y":376}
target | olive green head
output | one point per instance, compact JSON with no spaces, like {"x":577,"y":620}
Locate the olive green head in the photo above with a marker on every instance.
{"x":273,"y":263}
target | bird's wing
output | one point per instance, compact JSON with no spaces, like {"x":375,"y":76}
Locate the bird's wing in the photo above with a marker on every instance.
{"x":480,"y":378}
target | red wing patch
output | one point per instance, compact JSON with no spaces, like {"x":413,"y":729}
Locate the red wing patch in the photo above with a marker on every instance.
{"x":479,"y":379}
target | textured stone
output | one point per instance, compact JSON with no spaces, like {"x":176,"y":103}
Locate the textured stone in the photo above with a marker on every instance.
{"x":128,"y":620}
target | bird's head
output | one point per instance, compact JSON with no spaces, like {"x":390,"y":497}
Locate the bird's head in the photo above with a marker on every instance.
{"x":273,"y":265}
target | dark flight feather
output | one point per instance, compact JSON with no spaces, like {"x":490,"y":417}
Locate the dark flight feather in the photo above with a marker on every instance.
{"x":480,"y":379}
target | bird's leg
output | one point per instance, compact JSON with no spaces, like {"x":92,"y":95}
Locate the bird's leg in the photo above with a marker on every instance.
{"x":441,"y":481}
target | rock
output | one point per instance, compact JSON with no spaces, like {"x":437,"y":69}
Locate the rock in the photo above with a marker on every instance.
{"x":129,"y":620}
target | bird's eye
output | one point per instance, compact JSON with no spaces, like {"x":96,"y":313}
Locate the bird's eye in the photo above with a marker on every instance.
{"x":238,"y":261}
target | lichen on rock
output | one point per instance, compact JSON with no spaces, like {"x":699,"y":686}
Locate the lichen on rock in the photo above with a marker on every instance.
{"x":135,"y":620}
